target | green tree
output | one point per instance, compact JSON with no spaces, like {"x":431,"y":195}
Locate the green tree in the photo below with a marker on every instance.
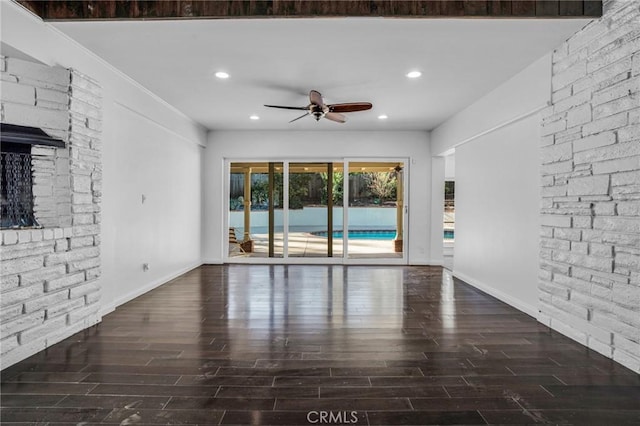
{"x":382,"y":185}
{"x":449,"y":189}
{"x":338,"y":187}
{"x":298,"y":189}
{"x":259,"y":192}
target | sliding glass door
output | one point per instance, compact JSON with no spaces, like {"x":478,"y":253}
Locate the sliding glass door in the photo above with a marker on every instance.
{"x":376,"y":210}
{"x":256,"y":226}
{"x":315,"y":208}
{"x":335,"y":211}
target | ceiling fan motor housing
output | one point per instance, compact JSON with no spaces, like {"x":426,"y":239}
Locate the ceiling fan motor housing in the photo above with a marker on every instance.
{"x":317,"y":111}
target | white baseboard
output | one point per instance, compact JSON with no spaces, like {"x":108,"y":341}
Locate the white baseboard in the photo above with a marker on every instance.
{"x":212,"y":261}
{"x":148,"y":287}
{"x":509,"y":300}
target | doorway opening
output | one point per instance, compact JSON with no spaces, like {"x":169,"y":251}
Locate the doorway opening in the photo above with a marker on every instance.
{"x":449,"y":214}
{"x":339,"y":211}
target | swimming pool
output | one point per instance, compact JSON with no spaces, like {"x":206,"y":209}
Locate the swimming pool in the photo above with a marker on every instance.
{"x":362,"y":235}
{"x":373,"y":234}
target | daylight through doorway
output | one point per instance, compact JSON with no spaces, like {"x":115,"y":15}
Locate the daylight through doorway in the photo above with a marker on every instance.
{"x":295,"y":210}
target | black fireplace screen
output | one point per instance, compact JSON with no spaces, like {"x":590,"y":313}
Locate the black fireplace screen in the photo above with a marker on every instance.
{"x":17,"y":195}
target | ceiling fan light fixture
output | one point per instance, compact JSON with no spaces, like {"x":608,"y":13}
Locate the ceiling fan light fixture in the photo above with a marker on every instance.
{"x":254,"y":117}
{"x":414,"y":74}
{"x":318,"y":109}
{"x":383,"y":117}
{"x":222,"y":75}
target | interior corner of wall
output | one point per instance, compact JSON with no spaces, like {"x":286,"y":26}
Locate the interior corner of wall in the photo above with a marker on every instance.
{"x":520,"y":305}
{"x":543,"y":318}
{"x":212,"y":261}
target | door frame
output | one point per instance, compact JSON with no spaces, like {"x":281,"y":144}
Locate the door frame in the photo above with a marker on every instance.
{"x":285,"y":259}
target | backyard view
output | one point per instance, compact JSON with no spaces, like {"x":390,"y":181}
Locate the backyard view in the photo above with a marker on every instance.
{"x":316,"y":198}
{"x":310,"y":189}
{"x":449,"y":209}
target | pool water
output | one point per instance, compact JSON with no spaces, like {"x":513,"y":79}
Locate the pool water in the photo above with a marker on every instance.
{"x":373,"y":235}
{"x":362,"y":235}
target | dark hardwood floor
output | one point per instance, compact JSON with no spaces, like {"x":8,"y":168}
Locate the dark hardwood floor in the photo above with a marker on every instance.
{"x":299,"y":345}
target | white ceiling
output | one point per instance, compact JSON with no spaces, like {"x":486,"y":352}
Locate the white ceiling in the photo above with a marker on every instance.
{"x":277,"y":61}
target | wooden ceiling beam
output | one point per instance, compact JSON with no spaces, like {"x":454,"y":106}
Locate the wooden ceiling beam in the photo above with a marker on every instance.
{"x":215,"y":9}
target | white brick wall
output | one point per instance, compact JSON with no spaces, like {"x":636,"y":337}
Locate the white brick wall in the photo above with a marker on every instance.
{"x":37,"y":95}
{"x":50,"y":288}
{"x":590,"y":153}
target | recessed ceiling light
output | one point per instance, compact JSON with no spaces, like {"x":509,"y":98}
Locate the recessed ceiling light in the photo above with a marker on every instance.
{"x":414,"y":74}
{"x":254,"y":117}
{"x":382,"y":117}
{"x":222,"y":75}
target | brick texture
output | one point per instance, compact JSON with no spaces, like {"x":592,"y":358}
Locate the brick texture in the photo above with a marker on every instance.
{"x":50,"y":275}
{"x":38,"y":95}
{"x":590,"y":154}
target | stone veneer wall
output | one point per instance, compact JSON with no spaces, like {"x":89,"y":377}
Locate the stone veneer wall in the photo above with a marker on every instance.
{"x":38,"y":96}
{"x":590,"y":236}
{"x":49,"y":276}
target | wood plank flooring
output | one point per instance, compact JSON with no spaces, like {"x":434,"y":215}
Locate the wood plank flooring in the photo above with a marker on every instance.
{"x":299,"y":345}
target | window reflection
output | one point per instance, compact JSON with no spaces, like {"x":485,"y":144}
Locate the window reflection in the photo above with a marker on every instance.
{"x":447,"y":300}
{"x":276,"y":300}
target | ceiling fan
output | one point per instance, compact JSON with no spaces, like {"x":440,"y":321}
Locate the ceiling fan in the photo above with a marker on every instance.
{"x":319,"y":109}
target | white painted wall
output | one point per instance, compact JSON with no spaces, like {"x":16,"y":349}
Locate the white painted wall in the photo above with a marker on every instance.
{"x":497,"y":213}
{"x":496,"y":142}
{"x":278,"y":145}
{"x":164,"y":231}
{"x":526,"y":91}
{"x":154,"y":150}
{"x":450,"y":167}
{"x":437,"y":210}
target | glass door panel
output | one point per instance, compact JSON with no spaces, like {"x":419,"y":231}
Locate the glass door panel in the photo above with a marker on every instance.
{"x":313,"y":225}
{"x":256,"y":227}
{"x":275,"y":227}
{"x":315,"y":209}
{"x":376,"y":209}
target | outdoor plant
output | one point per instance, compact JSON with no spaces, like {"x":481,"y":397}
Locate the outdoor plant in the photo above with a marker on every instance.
{"x":298,"y":189}
{"x":236,"y":203}
{"x":338,"y":188}
{"x":382,"y":185}
{"x":259,"y":193}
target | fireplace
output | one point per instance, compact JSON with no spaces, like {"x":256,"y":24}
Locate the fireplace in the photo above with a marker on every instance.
{"x":17,"y":171}
{"x":51,"y":205}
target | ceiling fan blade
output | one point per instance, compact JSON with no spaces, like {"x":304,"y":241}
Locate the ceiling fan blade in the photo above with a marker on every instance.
{"x":303,"y":115}
{"x":287,"y":107}
{"x":315,"y":98}
{"x":334,"y":116}
{"x":350,"y":107}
